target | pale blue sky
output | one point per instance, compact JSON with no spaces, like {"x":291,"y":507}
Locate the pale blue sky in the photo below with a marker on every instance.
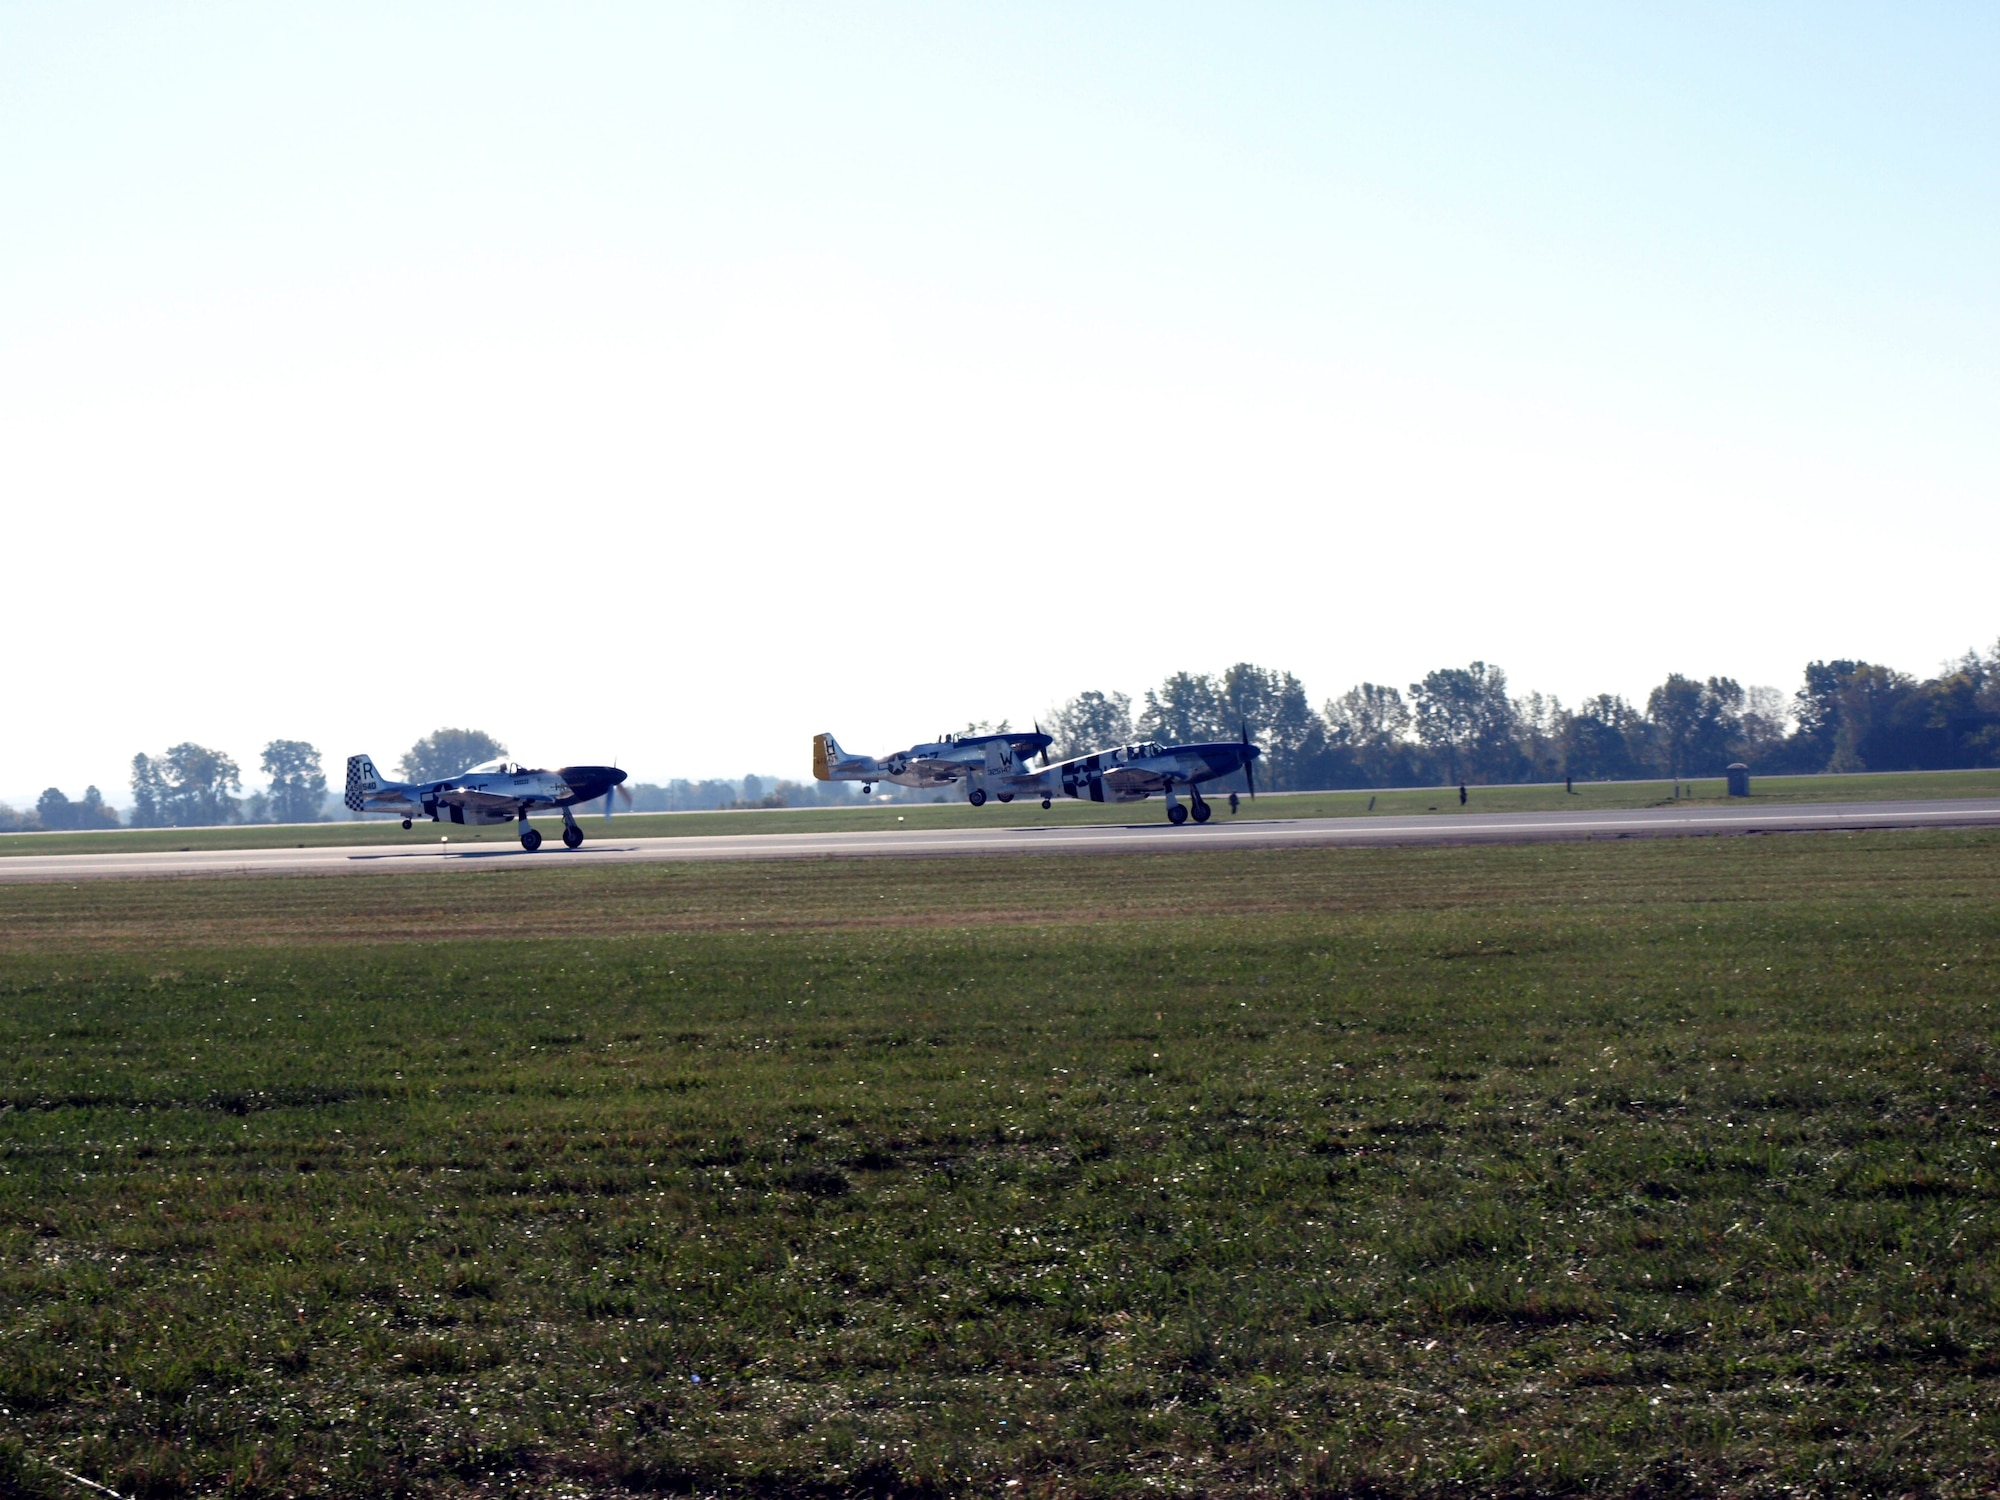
{"x":875,"y":368}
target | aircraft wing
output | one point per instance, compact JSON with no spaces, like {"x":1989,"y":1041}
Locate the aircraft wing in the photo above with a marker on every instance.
{"x":487,"y":802}
{"x":1130,"y":779}
{"x":1025,"y":744}
{"x":928,"y":770}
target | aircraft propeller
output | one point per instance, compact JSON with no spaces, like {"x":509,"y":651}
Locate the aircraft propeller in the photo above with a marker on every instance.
{"x":624,"y":794}
{"x":1249,"y":779}
{"x":1045,"y":748}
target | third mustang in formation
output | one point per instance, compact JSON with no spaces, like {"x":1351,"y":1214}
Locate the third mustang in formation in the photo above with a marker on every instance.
{"x":1125,"y":773}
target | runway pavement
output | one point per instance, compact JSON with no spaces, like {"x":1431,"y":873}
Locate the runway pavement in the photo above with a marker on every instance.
{"x":1246,"y":832}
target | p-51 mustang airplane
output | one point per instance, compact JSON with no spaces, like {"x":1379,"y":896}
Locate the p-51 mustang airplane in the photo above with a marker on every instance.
{"x":489,"y":793}
{"x":1132,"y":773}
{"x":945,"y":762}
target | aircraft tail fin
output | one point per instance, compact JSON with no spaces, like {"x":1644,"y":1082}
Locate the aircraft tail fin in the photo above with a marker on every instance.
{"x":362,"y":780}
{"x":999,"y":757}
{"x":826,"y":750}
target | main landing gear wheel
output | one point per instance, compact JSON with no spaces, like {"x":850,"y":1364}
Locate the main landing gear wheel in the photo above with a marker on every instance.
{"x":1045,"y":804}
{"x":976,"y":797}
{"x":572,"y":836}
{"x":1006,"y":796}
{"x":1201,"y":812}
{"x":531,"y":839}
{"x":406,"y":822}
{"x":1177,"y":815}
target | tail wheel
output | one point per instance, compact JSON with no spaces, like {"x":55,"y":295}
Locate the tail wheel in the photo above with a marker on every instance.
{"x":531,"y":839}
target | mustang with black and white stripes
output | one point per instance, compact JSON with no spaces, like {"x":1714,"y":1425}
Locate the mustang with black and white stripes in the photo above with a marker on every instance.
{"x":494,"y":792}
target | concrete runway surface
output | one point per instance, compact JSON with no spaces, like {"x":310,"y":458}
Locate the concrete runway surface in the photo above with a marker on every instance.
{"x":1243,"y":832}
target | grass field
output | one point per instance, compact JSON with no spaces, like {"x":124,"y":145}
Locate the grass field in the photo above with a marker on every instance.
{"x":1647,"y":1168}
{"x":957,"y":814}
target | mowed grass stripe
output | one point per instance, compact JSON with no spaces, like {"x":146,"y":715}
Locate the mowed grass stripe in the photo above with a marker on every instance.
{"x":624,"y":900}
{"x":1639,"y":1168}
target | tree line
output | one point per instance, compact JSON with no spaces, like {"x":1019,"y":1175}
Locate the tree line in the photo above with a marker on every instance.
{"x":190,"y":786}
{"x":193,"y":786}
{"x":1463,"y":724}
{"x":1458,"y":724}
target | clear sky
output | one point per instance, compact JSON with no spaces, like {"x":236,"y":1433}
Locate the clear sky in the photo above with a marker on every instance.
{"x":674,"y":383}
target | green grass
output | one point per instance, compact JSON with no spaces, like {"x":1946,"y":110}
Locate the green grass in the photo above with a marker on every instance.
{"x":957,"y":814}
{"x":1641,"y":1168}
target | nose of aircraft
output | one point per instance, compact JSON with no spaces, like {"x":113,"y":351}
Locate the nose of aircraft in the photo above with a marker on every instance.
{"x":591,"y":782}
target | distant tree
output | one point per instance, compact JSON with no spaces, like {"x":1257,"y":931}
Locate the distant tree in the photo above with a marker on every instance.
{"x":1721,"y":729}
{"x":1880,"y":721}
{"x":94,"y":812}
{"x":54,"y":810}
{"x":1855,"y":715}
{"x":1675,"y":709}
{"x":148,"y":790}
{"x":189,"y":786}
{"x":753,"y":789}
{"x":1603,"y":739}
{"x":1816,"y":710}
{"x":1187,"y":709}
{"x":1761,"y":736}
{"x":696,"y":796}
{"x":446,"y":752}
{"x":1963,"y":705}
{"x":1694,"y":723}
{"x":1089,"y":722}
{"x":1979,"y":725}
{"x":810,"y":793}
{"x":1271,"y":706}
{"x":1371,"y":724}
{"x":12,"y":820}
{"x":1464,"y":715}
{"x":1539,"y":720}
{"x":297,"y":793}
